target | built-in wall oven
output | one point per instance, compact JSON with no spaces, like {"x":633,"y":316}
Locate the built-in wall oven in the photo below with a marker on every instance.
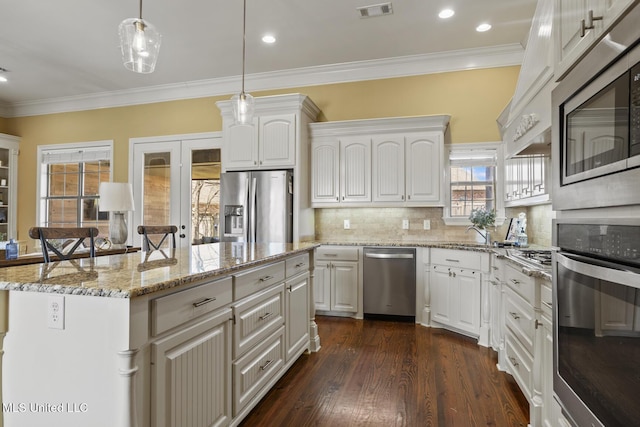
{"x":596,"y":275}
{"x":596,"y":124}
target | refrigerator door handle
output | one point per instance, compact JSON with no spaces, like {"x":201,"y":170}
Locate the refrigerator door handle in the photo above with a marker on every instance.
{"x":252,"y":210}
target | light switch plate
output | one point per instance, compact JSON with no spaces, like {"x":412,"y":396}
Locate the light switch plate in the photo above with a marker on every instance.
{"x":426,"y":224}
{"x":405,"y":224}
{"x":347,"y":224}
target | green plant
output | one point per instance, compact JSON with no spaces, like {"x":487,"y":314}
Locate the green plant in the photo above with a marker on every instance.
{"x":482,"y":218}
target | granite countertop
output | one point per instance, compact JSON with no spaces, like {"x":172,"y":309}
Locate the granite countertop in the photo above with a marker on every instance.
{"x":464,"y":246}
{"x":136,"y":274}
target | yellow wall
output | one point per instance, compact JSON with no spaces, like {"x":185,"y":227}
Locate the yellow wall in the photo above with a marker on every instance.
{"x":3,"y":125}
{"x":473,"y":98}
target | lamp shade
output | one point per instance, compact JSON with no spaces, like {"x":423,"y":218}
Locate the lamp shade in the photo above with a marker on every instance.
{"x":115,"y":197}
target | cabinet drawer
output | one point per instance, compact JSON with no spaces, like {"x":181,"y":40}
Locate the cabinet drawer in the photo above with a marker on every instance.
{"x":174,"y":309}
{"x":249,"y":282}
{"x":256,"y":368}
{"x":338,"y":253}
{"x":521,"y":283}
{"x":256,"y":317}
{"x":497,"y":269}
{"x":520,"y":365}
{"x":468,"y":259}
{"x":519,"y":318}
{"x":297,"y":265}
{"x":546,"y":300}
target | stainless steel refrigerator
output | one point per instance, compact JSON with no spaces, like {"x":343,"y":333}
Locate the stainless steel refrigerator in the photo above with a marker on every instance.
{"x":257,"y":206}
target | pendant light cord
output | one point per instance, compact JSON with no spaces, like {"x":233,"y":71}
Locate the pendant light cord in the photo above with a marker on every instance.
{"x":244,"y":37}
{"x":141,"y":10}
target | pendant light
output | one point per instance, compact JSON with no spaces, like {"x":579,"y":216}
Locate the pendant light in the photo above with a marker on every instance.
{"x":243,"y":103}
{"x":140,"y":43}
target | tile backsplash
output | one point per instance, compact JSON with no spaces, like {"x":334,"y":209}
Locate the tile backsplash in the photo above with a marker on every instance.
{"x":385,"y":224}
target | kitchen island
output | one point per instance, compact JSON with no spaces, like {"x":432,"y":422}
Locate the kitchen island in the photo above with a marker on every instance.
{"x":195,"y":337}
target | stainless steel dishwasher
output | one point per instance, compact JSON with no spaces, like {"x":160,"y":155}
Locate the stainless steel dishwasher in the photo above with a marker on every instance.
{"x":389,"y":282}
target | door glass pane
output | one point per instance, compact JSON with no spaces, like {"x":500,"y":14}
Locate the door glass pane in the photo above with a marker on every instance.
{"x":205,"y":195}
{"x":156,"y":189}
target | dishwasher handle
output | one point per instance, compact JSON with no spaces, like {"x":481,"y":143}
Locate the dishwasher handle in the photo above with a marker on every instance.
{"x":389,"y":256}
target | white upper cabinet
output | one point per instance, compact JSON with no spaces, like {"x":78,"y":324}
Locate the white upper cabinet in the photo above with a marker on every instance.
{"x":382,"y":162}
{"x":270,"y":142}
{"x":579,"y":24}
{"x":277,"y":137}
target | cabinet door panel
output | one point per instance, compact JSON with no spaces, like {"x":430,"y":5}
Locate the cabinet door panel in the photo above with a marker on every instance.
{"x":440,"y":295}
{"x":325,"y":170}
{"x":191,"y":377}
{"x":241,"y":149}
{"x":297,"y":330}
{"x":571,"y":43}
{"x":388,"y":169}
{"x":322,"y":285}
{"x":469,"y":306}
{"x":355,"y":173}
{"x":344,"y":289}
{"x":277,"y":138}
{"x":423,"y":167}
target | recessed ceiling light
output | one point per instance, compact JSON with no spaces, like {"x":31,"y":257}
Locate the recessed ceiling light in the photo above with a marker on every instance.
{"x":483,"y":27}
{"x":3,"y":79}
{"x":446,"y":13}
{"x":268,"y":38}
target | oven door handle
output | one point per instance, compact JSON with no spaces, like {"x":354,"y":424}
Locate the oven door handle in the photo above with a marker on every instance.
{"x":598,"y":269}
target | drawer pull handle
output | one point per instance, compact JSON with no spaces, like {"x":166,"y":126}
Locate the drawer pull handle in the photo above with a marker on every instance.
{"x":546,"y":304}
{"x":203,"y":302}
{"x":495,"y":268}
{"x":513,"y":361}
{"x":265,"y":316}
{"x":266,"y":365}
{"x":300,"y":264}
{"x":514,"y":315}
{"x":452,"y":260}
{"x":494,"y":283}
{"x":265,"y":278}
{"x":330,"y":254}
{"x":515,"y":282}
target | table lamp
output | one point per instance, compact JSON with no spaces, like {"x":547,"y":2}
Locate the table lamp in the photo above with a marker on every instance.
{"x":117,"y":198}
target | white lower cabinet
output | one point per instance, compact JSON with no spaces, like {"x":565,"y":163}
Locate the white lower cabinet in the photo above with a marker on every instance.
{"x":456,"y":286}
{"x":336,"y":279}
{"x":220,"y":346}
{"x":191,"y":374}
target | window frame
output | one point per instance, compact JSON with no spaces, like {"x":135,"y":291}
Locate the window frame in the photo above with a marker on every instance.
{"x":42,"y":174}
{"x":496,"y":147}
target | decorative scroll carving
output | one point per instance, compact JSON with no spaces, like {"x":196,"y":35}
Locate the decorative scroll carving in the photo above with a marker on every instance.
{"x":527,"y":121}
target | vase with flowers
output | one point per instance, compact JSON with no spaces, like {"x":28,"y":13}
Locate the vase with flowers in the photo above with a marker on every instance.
{"x":482,"y":219}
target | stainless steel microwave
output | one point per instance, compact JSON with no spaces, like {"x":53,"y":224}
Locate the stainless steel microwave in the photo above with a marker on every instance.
{"x":596,"y":124}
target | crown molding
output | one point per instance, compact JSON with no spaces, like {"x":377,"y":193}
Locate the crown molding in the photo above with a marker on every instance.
{"x":458,"y":60}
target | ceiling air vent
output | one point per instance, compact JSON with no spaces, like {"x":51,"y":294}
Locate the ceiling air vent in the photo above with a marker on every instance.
{"x":375,"y":10}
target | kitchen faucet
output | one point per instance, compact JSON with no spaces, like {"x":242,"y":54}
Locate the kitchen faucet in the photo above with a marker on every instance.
{"x":486,"y":235}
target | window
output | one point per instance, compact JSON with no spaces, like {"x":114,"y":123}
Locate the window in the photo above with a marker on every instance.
{"x":472,"y":181}
{"x":70,"y":176}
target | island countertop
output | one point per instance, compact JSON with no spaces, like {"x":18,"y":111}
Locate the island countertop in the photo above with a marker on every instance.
{"x":132,"y":275}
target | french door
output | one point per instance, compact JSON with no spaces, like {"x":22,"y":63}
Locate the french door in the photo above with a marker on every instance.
{"x":176,"y":181}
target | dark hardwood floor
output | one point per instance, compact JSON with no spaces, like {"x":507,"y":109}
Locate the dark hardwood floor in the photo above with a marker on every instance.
{"x":384,"y":373}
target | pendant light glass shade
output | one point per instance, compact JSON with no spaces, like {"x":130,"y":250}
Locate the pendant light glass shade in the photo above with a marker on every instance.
{"x":243,"y":108}
{"x":243,"y":103}
{"x":140,"y":44}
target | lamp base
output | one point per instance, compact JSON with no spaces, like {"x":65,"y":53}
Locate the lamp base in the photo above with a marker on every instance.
{"x":118,"y":229}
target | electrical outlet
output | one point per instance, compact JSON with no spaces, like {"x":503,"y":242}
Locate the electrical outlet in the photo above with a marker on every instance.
{"x":55,"y":312}
{"x":347,"y":224}
{"x":405,"y":224}
{"x":426,"y":225}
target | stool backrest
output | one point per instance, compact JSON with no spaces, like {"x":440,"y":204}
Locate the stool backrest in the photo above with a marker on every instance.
{"x":63,"y":241}
{"x":160,"y":232}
